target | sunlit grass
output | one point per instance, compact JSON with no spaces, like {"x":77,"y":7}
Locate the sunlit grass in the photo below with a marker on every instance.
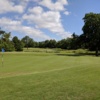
{"x":49,"y":76}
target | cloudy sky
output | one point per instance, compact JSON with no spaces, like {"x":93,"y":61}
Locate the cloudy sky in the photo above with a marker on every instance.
{"x":45,"y":19}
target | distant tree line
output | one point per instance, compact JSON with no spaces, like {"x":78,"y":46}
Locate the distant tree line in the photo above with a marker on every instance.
{"x":90,"y":39}
{"x":16,"y":44}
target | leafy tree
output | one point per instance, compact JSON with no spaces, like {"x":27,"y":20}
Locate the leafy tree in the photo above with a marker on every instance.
{"x":28,"y":42}
{"x":50,"y":44}
{"x":5,"y":41}
{"x":1,"y":36}
{"x":74,"y":44}
{"x":82,"y":42}
{"x":41,"y":44}
{"x":63,"y":44}
{"x":17,"y":44}
{"x":91,"y":31}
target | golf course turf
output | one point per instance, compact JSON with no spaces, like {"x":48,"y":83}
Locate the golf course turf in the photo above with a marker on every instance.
{"x":49,"y":76}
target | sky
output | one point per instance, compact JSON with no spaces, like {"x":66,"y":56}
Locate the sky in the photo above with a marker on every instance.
{"x":45,"y":19}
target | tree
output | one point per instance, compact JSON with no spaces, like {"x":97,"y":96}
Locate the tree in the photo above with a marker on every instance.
{"x":28,"y":42}
{"x":17,"y":44}
{"x":74,"y":41}
{"x":1,"y":38}
{"x":41,"y":44}
{"x":64,"y":43}
{"x":91,"y":31}
{"x":5,"y":41}
{"x":50,"y":44}
{"x":82,"y":42}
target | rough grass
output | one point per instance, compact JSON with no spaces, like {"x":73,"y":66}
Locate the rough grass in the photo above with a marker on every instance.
{"x":49,"y":76}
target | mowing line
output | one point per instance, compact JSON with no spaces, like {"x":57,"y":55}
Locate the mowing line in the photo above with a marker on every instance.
{"x":39,"y":72}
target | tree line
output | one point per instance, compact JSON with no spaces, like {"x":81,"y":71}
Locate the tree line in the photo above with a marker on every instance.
{"x":16,"y":44}
{"x":89,"y":39}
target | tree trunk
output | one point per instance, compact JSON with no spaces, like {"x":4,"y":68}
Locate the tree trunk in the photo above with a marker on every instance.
{"x":97,"y":52}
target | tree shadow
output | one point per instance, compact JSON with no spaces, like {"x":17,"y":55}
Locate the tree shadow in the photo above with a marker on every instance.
{"x":78,"y":54}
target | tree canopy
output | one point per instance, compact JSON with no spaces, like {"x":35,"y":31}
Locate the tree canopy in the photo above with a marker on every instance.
{"x":5,"y":41}
{"x":91,"y":31}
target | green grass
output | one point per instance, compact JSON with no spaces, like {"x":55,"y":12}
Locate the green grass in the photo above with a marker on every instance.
{"x":49,"y":76}
{"x":46,"y":50}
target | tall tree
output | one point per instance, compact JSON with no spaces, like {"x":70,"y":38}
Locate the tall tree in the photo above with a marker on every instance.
{"x":5,"y":41}
{"x":91,"y":30}
{"x":28,"y":42}
{"x":50,"y":43}
{"x":64,"y":43}
{"x":74,"y":41}
{"x":17,"y":44}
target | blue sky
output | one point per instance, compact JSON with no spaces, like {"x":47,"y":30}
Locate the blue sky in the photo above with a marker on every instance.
{"x":45,"y":19}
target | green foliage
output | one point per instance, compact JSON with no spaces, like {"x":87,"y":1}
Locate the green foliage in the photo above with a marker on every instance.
{"x":91,"y":31}
{"x":28,"y":42}
{"x":17,"y":44}
{"x":50,"y":43}
{"x":5,"y":41}
{"x":8,"y":46}
{"x":69,"y":43}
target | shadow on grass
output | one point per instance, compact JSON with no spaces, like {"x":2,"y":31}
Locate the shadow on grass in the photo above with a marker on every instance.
{"x":78,"y":54}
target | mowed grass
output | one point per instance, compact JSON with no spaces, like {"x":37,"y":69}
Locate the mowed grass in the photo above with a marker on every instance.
{"x":49,"y":76}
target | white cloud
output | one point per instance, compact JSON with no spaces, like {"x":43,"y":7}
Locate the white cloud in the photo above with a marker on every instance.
{"x":66,"y":13}
{"x":9,"y":6}
{"x":64,"y":2}
{"x":13,"y":25}
{"x":50,"y":20}
{"x":36,"y":15}
{"x":36,"y":10}
{"x":9,"y":22}
{"x":34,"y":33}
{"x":57,"y":6}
